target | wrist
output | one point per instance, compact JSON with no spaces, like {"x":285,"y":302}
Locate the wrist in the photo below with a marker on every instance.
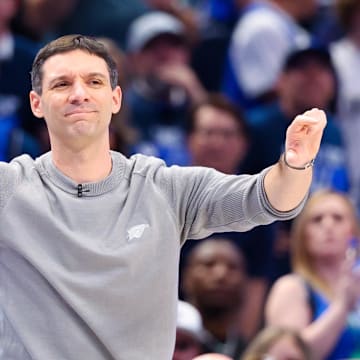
{"x":307,"y":165}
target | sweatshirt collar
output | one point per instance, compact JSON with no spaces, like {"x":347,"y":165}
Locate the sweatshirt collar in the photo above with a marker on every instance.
{"x":47,"y":169}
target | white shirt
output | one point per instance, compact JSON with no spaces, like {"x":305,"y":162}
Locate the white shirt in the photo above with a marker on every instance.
{"x":261,"y":40}
{"x":346,"y":58}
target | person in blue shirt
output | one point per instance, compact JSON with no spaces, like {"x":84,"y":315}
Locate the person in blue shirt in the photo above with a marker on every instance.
{"x":319,"y":298}
{"x":308,"y":79}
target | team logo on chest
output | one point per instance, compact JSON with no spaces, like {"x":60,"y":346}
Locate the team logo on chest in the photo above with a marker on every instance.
{"x":135,"y":232}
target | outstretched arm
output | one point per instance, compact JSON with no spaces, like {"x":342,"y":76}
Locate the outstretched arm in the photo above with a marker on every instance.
{"x":286,"y":186}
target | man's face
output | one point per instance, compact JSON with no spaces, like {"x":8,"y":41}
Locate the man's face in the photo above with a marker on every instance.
{"x":77,"y":100}
{"x":215,"y":276}
{"x":310,"y":84}
{"x":162,"y":51}
{"x":217,"y":140}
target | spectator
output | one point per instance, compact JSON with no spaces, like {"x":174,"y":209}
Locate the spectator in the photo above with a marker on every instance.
{"x":217,"y":137}
{"x":189,"y":332}
{"x":264,"y":35}
{"x":318,"y":298}
{"x":346,"y":57}
{"x":277,"y":343}
{"x":214,"y":281}
{"x":217,"y":134}
{"x":308,"y":80}
{"x":16,"y":119}
{"x":163,"y":85}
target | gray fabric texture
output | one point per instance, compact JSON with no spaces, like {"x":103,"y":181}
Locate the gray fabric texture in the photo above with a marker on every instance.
{"x":96,"y":277}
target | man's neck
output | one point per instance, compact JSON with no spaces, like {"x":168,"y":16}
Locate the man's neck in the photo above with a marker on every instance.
{"x":219,"y":324}
{"x":90,"y":165}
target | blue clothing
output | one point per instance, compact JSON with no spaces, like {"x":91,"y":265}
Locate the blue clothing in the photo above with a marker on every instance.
{"x":262,"y":39}
{"x":348,"y":344}
{"x":268,"y":126}
{"x":15,"y":111}
{"x":161,"y":126}
{"x":15,"y":82}
{"x":224,"y":10}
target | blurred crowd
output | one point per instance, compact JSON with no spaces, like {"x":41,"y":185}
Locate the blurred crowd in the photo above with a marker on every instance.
{"x":216,"y":83}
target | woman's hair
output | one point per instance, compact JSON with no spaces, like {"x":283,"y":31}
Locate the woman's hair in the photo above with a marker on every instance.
{"x":269,"y":336}
{"x":301,"y":259}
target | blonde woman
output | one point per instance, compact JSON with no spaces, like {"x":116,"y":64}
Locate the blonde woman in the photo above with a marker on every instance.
{"x":318,"y":299}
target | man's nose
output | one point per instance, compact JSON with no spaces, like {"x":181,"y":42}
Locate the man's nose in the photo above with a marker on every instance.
{"x":78,"y":92}
{"x":220,"y":271}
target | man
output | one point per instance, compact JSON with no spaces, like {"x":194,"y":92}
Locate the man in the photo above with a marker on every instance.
{"x":214,"y":281}
{"x":217,"y":134}
{"x":307,"y":80}
{"x":96,"y":276}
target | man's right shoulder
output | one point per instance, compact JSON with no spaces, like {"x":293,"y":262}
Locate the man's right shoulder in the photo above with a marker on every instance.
{"x":11,"y":175}
{"x":12,"y":171}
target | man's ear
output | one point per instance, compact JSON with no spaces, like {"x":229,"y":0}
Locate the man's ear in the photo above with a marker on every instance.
{"x":35,"y":104}
{"x":117,"y":97}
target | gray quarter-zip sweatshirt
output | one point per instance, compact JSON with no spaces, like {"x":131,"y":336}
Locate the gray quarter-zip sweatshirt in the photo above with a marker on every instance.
{"x":90,"y":271}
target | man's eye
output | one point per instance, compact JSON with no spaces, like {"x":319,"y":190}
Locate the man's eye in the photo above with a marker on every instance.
{"x":60,"y":84}
{"x":96,"y":82}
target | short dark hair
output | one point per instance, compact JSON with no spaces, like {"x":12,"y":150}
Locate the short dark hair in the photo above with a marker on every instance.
{"x":219,"y":102}
{"x":297,"y":58}
{"x":69,"y":43}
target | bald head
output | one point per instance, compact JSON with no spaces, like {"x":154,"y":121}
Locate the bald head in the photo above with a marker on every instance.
{"x":212,"y":356}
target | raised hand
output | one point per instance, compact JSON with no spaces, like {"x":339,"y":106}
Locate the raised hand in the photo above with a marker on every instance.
{"x":303,"y":137}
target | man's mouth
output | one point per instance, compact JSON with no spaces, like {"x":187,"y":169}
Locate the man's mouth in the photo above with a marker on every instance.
{"x":79,"y":112}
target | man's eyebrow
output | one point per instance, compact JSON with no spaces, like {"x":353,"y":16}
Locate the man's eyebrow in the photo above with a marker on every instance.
{"x":67,"y":77}
{"x":96,"y":74}
{"x":58,"y":78}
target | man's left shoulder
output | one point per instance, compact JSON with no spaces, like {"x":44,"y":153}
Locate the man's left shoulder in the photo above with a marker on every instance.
{"x":143,"y":164}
